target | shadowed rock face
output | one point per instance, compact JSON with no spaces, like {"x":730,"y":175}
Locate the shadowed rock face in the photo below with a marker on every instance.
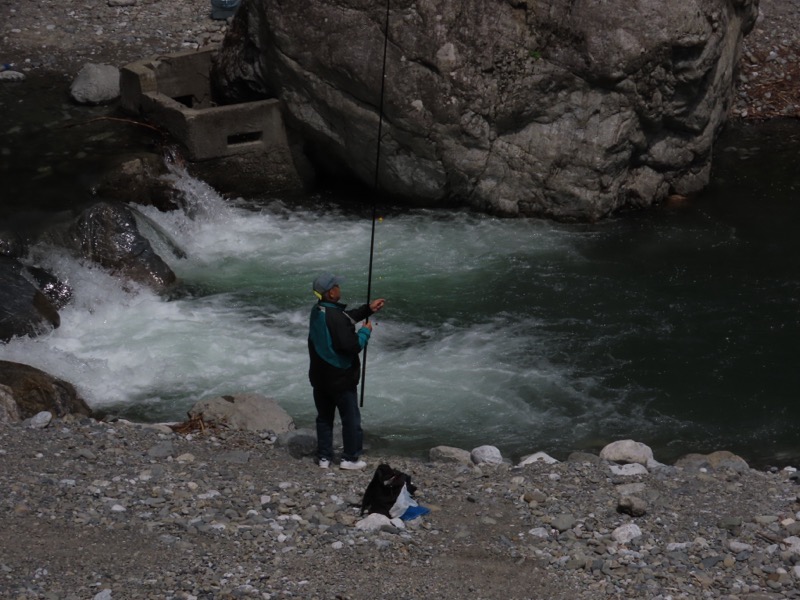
{"x":35,"y":391}
{"x":564,"y":108}
{"x":24,"y":309}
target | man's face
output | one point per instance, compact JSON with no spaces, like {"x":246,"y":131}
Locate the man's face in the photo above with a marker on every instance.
{"x":334,"y":294}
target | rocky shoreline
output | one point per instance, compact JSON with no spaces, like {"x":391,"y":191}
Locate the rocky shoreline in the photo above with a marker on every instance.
{"x":99,"y":510}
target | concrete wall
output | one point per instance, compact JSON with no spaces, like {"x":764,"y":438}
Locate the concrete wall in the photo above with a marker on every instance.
{"x":173,"y":93}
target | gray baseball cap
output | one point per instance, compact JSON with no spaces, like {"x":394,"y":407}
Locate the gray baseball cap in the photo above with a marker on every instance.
{"x":326,"y":281}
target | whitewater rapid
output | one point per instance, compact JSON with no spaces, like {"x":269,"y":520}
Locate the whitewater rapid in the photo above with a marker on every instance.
{"x":524,"y":334}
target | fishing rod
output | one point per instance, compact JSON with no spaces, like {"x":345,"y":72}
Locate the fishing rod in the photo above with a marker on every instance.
{"x":375,"y":196}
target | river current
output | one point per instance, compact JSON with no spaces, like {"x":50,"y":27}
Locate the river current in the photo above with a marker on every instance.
{"x":677,"y":327}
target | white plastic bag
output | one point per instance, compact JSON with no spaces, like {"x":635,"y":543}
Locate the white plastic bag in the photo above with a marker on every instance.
{"x":403,"y":502}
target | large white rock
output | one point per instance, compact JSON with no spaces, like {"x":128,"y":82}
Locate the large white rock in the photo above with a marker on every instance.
{"x":627,"y":451}
{"x":41,"y":420}
{"x":95,"y":84}
{"x":625,"y":533}
{"x":249,"y":412}
{"x":374,"y":521}
{"x":486,"y":455}
{"x":537,"y":457}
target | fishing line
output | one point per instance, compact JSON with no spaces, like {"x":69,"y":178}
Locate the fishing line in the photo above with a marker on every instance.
{"x":375,"y":196}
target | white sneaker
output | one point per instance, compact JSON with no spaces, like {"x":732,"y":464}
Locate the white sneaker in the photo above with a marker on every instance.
{"x":352,"y":465}
{"x":324,"y":463}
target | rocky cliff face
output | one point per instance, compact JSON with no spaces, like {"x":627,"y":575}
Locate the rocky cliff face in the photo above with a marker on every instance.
{"x":571,"y":109}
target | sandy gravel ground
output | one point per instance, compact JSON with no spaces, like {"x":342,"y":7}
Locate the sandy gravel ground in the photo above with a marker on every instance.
{"x":113,"y":510}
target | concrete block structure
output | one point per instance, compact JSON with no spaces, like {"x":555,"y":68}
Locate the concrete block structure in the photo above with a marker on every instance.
{"x":238,"y":148}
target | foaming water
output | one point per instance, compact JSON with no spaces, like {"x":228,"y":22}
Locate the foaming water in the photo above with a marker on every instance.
{"x":519,"y":333}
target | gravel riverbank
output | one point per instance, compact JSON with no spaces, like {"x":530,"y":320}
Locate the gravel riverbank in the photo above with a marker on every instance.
{"x":102,"y":510}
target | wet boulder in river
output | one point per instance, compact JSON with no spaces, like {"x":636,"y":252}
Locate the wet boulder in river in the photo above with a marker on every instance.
{"x":24,"y":309}
{"x":11,"y":243}
{"x":107,"y":233}
{"x":55,"y":290}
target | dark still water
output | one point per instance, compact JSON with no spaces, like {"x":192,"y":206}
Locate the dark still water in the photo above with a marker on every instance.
{"x":677,"y":327}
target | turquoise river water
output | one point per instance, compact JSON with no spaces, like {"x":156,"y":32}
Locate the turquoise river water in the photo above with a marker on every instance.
{"x":677,"y":327}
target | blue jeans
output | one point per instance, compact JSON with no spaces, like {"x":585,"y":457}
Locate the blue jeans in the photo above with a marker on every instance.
{"x":352,"y":435}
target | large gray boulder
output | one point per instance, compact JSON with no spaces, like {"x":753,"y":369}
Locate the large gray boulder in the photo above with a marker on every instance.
{"x":247,"y":412}
{"x":627,"y":452}
{"x":449,"y":454}
{"x":716,"y":461}
{"x":95,"y":84}
{"x":570,"y":109}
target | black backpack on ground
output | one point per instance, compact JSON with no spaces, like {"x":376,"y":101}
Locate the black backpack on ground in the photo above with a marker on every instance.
{"x":383,"y":490}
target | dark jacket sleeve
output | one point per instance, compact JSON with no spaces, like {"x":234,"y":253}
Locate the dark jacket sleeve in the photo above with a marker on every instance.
{"x":343,"y":335}
{"x":360,"y":313}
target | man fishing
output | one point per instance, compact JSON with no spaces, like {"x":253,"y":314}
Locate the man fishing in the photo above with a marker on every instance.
{"x":333,"y":347}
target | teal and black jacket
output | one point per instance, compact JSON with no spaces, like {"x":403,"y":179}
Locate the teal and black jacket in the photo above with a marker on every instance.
{"x":334,"y":345}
